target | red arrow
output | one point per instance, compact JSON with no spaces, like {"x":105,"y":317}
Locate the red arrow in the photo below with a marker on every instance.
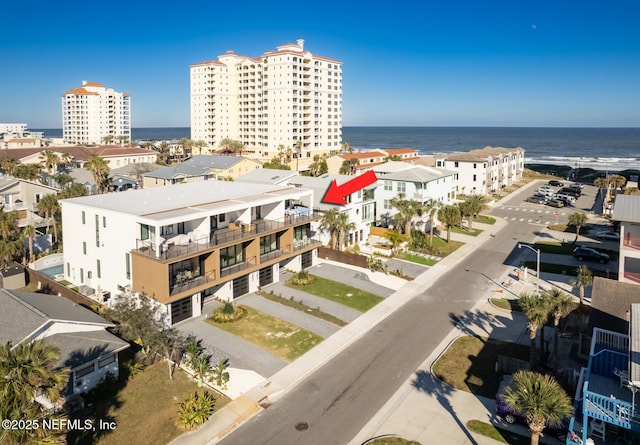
{"x":335,"y":194}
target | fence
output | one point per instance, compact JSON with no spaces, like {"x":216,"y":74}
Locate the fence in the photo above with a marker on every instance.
{"x":343,"y":257}
{"x":56,"y":288}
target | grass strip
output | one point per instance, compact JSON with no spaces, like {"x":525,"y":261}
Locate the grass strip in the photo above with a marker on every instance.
{"x":299,"y":305}
{"x":497,"y":433}
{"x":281,"y":338}
{"x":419,"y":259}
{"x":465,"y":231}
{"x":509,"y":304}
{"x":340,"y":293}
{"x":484,"y":219}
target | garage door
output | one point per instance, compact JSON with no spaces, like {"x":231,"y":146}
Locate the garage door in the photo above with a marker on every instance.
{"x":181,"y":310}
{"x":240,"y":286}
{"x":266,"y":276}
{"x":307,"y":260}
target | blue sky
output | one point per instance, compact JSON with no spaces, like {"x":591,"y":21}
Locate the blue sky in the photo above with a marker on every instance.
{"x":427,"y":63}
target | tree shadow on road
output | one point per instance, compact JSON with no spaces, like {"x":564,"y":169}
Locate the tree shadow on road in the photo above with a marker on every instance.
{"x":429,"y":384}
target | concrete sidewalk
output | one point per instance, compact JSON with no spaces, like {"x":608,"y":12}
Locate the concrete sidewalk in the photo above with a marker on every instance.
{"x":244,"y":407}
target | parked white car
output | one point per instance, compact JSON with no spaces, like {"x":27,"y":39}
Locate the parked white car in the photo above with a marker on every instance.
{"x":546,"y":191}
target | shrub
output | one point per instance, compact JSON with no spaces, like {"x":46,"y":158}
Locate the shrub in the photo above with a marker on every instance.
{"x":419,"y":240}
{"x":220,"y":316}
{"x":302,"y":278}
{"x":195,"y":411}
{"x":228,"y":308}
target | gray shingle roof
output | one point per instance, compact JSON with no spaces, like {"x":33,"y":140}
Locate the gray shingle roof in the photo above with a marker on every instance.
{"x":77,"y":348}
{"x":610,"y":302}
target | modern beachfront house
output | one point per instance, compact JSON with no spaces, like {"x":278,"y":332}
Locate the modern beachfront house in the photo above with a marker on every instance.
{"x":484,"y":171}
{"x":627,"y":212}
{"x":182,"y":244}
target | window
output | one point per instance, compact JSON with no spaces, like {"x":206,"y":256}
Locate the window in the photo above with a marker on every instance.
{"x":387,"y":185}
{"x":387,"y":204}
{"x":104,"y":222}
{"x":85,"y":370}
{"x":98,"y":269}
{"x":68,"y":269}
{"x":144,"y":231}
{"x":268,"y":243}
{"x":474,"y":178}
{"x":222,"y":217}
{"x":82,"y":275}
{"x":166,"y":230}
{"x":301,"y":232}
{"x":402,"y":187}
{"x":97,"y":231}
{"x":84,"y":247}
{"x":455,"y":164}
{"x":83,"y":217}
{"x":231,"y":255}
{"x":128,"y":265}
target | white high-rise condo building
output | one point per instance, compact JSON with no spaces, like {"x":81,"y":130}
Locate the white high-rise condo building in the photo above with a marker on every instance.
{"x":288,"y":98}
{"x":91,"y":112}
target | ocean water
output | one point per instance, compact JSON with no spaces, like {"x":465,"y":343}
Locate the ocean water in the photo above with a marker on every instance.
{"x":599,"y":148}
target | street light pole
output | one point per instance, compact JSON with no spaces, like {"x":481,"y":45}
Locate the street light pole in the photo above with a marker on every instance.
{"x":537,"y":251}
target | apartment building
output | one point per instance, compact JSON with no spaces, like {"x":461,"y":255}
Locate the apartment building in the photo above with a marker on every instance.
{"x":289,"y":97}
{"x":484,"y":171}
{"x":182,"y":244}
{"x":627,"y":213}
{"x":92,"y":111}
{"x":415,"y":182}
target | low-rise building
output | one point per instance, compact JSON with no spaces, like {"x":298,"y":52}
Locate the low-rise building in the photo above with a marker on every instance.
{"x":23,"y":196}
{"x":414,"y":182}
{"x":182,"y":244}
{"x":86,"y":347}
{"x":201,"y":168}
{"x":484,"y":171}
{"x":366,"y":160}
{"x":627,"y":212}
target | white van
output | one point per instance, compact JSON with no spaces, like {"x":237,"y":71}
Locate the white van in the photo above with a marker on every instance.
{"x":545,"y":191}
{"x":566,"y":197}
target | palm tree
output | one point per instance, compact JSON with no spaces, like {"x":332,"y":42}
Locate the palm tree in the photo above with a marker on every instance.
{"x":560,"y":305}
{"x":50,"y":162}
{"x":200,"y":144}
{"x":108,"y":139}
{"x":348,"y":166}
{"x":30,"y":370}
{"x":65,"y":159}
{"x":195,"y":411}
{"x":475,"y":204}
{"x":201,"y":366}
{"x":30,"y":233}
{"x":63,"y":179}
{"x":8,"y":165}
{"x":330,"y":222}
{"x":164,"y":151}
{"x":578,"y":219}
{"x":395,"y":238}
{"x":346,"y":147}
{"x":220,"y":374}
{"x":343,"y":227}
{"x":450,"y":216}
{"x":49,"y":206}
{"x":186,"y":145}
{"x":584,"y":279}
{"x":122,"y":139}
{"x":539,"y":399}
{"x":537,"y":312}
{"x":11,"y":244}
{"x":431,"y":208}
{"x":30,"y":172}
{"x":99,"y":168}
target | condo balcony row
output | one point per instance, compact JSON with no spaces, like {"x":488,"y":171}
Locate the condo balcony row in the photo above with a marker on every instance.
{"x":164,"y":246}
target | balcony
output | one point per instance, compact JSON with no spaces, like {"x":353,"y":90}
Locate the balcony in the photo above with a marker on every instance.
{"x":631,"y":242}
{"x":249,"y":263}
{"x":186,"y":281}
{"x":187,"y":245}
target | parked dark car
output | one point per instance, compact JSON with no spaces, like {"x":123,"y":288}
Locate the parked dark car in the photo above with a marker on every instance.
{"x":560,"y":431}
{"x":575,"y":188}
{"x":538,"y":199}
{"x":555,"y":203}
{"x":589,"y":254}
{"x":555,"y":183}
{"x":571,"y":191}
{"x":565,"y":201}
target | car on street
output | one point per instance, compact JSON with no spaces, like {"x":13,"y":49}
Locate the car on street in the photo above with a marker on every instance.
{"x":608,"y":234}
{"x":538,"y":199}
{"x":589,"y":254}
{"x":508,"y":415}
{"x":555,"y":183}
{"x":555,"y":203}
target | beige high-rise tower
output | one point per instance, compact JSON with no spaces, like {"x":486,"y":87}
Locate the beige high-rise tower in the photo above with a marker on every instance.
{"x":91,"y":112}
{"x":287,"y":98}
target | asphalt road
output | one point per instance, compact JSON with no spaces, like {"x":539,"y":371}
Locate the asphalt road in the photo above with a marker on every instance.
{"x":337,"y":400}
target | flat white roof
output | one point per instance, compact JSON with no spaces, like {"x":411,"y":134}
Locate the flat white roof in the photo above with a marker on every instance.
{"x":195,"y":194}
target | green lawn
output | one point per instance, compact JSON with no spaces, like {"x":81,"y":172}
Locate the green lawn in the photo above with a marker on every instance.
{"x":316,"y":312}
{"x":441,"y":247}
{"x":510,"y":304}
{"x":496,"y":433}
{"x":465,"y":231}
{"x":484,"y":219}
{"x":393,"y":441}
{"x":419,"y":259}
{"x":146,"y":408}
{"x":340,"y":293}
{"x":277,"y":336}
{"x":469,"y":363}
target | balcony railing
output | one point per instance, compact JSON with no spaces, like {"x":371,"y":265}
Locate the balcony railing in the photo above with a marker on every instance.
{"x":186,"y":283}
{"x":185,"y":245}
{"x":250,"y":262}
{"x":633,"y":243}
